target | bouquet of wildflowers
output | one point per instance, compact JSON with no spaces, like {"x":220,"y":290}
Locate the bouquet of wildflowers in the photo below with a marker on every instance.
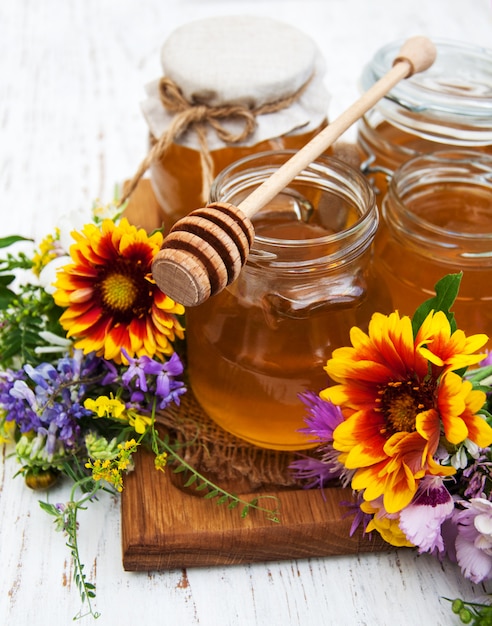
{"x":89,"y":355}
{"x":407,"y":425}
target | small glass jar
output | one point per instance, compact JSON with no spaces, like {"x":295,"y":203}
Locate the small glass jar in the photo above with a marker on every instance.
{"x":255,"y":63}
{"x":437,"y":220}
{"x":253,"y":348}
{"x":449,"y":106}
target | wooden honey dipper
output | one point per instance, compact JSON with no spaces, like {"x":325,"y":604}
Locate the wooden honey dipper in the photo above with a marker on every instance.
{"x":206,"y":250}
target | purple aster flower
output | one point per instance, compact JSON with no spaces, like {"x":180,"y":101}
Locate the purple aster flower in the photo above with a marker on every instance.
{"x":474,"y":539}
{"x":323,"y":418}
{"x":361,"y":518}
{"x":422,"y":519}
{"x":316,"y":472}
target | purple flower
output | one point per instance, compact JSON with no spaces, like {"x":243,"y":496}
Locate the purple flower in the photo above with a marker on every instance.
{"x":487,"y":360}
{"x":112,"y":374}
{"x":147,"y":376}
{"x":474,"y":539}
{"x":24,"y":407}
{"x":48,"y":399}
{"x":137,"y":371}
{"x":323,"y":418}
{"x":317,"y":472}
{"x":422,"y":519}
{"x":478,"y":475}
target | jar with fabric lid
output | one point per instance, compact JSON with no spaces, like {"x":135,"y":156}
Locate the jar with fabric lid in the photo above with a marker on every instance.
{"x":438,"y":220}
{"x":449,"y":106}
{"x":231,"y":86}
{"x":254,"y":347}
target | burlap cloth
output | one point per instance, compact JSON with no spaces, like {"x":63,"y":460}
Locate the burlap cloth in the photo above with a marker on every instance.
{"x":221,"y":456}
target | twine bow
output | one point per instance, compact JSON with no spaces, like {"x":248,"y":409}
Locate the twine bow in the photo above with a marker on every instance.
{"x":196,"y":117}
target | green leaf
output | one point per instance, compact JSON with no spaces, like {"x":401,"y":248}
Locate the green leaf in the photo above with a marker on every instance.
{"x":211,"y":494}
{"x":6,"y":279}
{"x":49,"y":508}
{"x":6,"y":297}
{"x":5,"y":242}
{"x":190,"y":480}
{"x":446,"y":292}
{"x":244,"y":512}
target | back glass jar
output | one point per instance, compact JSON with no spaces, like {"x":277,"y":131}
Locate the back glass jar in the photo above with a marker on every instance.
{"x":447,"y":106}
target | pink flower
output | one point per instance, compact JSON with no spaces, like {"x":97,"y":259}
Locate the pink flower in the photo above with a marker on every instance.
{"x":474,"y":540}
{"x":422,"y":519}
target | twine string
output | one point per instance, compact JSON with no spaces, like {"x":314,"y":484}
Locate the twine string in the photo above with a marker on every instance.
{"x":196,"y":117}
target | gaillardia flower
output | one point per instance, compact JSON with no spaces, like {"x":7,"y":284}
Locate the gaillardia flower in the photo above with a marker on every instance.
{"x":110,"y":298}
{"x":400,"y":400}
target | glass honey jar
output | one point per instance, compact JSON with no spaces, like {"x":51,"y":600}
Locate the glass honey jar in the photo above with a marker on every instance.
{"x":254,"y":347}
{"x":437,"y":220}
{"x":449,"y":106}
{"x":248,"y":83}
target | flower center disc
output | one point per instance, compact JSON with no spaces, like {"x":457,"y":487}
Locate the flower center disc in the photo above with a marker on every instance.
{"x":118,"y":292}
{"x":402,"y":402}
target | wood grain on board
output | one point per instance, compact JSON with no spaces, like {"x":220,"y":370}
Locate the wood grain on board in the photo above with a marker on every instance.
{"x":166,"y":527}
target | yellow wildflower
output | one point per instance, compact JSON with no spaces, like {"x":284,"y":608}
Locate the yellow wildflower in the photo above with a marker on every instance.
{"x":105,"y":406}
{"x":160,"y":461}
{"x":138,"y":422}
{"x":111,"y":470}
{"x":46,"y":252}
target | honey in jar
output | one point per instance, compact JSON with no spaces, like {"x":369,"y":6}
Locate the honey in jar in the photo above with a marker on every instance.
{"x":437,"y":220}
{"x":449,"y":106}
{"x":237,"y":70}
{"x":254,"y":347}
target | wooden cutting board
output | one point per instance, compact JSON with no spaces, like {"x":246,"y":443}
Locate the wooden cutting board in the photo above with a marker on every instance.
{"x":167,"y":527}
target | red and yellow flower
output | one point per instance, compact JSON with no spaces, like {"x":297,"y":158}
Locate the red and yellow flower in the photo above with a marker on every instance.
{"x":400,"y":398}
{"x":110,"y":299}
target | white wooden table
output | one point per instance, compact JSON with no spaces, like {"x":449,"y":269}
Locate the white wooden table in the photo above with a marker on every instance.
{"x":71,"y":79}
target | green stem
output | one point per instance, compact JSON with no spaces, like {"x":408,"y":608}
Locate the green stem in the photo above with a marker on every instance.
{"x":86,"y":589}
{"x":214,"y":489}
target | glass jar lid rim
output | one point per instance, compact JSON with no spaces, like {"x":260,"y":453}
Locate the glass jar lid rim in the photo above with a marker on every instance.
{"x":445,"y":166}
{"x":458,"y":84}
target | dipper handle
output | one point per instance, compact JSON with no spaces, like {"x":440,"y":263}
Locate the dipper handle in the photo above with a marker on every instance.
{"x":206,"y":250}
{"x":417,"y":54}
